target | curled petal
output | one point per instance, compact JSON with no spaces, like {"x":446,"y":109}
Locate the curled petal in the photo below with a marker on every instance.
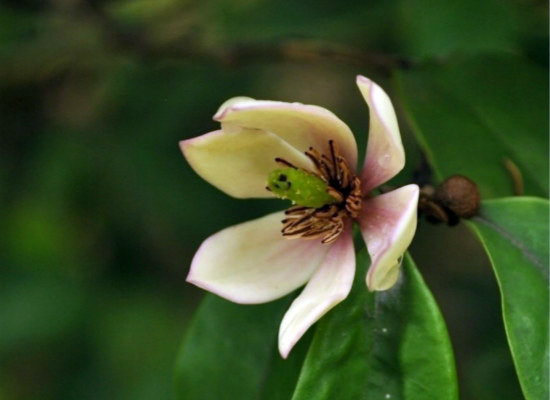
{"x":385,"y":155}
{"x":329,"y":285}
{"x":298,"y":124}
{"x":252,"y":263}
{"x":239,"y":162}
{"x":232,"y":102}
{"x":388,"y":223}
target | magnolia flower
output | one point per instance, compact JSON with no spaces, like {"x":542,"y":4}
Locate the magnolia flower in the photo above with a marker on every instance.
{"x":308,"y":155}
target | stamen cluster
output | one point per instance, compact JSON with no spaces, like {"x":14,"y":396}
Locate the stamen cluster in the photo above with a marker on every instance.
{"x":326,"y":222}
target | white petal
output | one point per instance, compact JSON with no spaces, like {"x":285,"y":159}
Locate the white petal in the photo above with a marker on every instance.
{"x":239,"y":162}
{"x":252,"y":262}
{"x":298,"y":124}
{"x":385,"y":155}
{"x":231,"y":102}
{"x":329,"y":285}
{"x":388,"y":223}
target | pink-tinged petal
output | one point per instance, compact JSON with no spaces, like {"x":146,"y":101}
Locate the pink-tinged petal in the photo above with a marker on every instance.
{"x":388,"y":223}
{"x":385,"y":155}
{"x":329,"y":285}
{"x":231,"y":102}
{"x":298,"y":124}
{"x":252,"y":263}
{"x":239,"y":162}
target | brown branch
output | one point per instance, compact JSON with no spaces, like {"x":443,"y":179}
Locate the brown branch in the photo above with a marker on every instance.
{"x":288,"y":50}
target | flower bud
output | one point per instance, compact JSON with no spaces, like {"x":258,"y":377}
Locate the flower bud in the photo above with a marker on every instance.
{"x":459,"y":195}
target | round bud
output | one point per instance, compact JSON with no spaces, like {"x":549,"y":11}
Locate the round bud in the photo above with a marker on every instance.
{"x":459,"y":195}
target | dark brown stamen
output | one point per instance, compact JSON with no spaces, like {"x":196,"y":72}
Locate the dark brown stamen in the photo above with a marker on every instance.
{"x":314,"y":157}
{"x":333,"y":157}
{"x":284,"y":163}
{"x":336,"y":194}
{"x":295,"y":210}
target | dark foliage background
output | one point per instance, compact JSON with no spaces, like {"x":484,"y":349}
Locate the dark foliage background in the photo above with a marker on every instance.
{"x":100,"y":214}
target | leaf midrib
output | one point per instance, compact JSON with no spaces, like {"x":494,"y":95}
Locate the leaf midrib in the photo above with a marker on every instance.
{"x":516,"y":242}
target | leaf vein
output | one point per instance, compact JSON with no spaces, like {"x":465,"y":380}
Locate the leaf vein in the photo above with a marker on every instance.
{"x":527,"y":252}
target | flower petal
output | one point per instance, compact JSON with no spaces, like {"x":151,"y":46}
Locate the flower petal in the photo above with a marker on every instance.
{"x":300,"y":125}
{"x":231,"y":102}
{"x":385,"y":155}
{"x":388,"y":223}
{"x":252,"y":263}
{"x":329,"y":285}
{"x":239,"y":162}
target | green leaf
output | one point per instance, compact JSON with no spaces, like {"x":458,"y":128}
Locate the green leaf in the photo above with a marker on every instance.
{"x":383,"y":345}
{"x":433,"y":28}
{"x":514,"y":232}
{"x":230,"y":352}
{"x":474,"y":114}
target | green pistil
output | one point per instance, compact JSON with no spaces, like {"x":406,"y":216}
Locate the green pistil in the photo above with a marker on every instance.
{"x":303,"y":188}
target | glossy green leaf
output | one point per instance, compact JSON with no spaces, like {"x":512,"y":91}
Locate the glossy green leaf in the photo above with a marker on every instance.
{"x":472,"y":115}
{"x":230,"y":352}
{"x":383,"y":345}
{"x":514,"y":232}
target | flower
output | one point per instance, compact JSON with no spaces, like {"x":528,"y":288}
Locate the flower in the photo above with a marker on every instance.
{"x":303,"y":153}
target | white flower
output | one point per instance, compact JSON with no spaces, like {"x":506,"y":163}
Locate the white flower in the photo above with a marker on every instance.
{"x":255,"y":262}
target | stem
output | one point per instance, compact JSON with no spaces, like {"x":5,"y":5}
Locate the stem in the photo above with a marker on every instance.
{"x":515,"y":175}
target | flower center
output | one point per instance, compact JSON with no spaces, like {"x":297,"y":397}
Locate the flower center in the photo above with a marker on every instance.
{"x":302,"y":187}
{"x":323,"y":199}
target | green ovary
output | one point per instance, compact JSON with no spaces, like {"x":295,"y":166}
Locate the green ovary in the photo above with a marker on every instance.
{"x":303,"y":188}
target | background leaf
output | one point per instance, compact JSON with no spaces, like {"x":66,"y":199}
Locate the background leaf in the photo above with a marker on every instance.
{"x":471,"y":116}
{"x":230,"y":353}
{"x":395,"y":343}
{"x":440,"y":28}
{"x":514,"y":231}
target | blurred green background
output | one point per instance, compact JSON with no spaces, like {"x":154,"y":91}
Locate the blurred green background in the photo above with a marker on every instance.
{"x":100,"y":214}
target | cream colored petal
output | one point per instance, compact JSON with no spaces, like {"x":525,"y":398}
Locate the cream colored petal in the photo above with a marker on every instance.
{"x":231,"y":102}
{"x":252,"y":262}
{"x":298,"y":124}
{"x":329,"y":285}
{"x":239,"y":162}
{"x":385,"y":155}
{"x":388,"y":224}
